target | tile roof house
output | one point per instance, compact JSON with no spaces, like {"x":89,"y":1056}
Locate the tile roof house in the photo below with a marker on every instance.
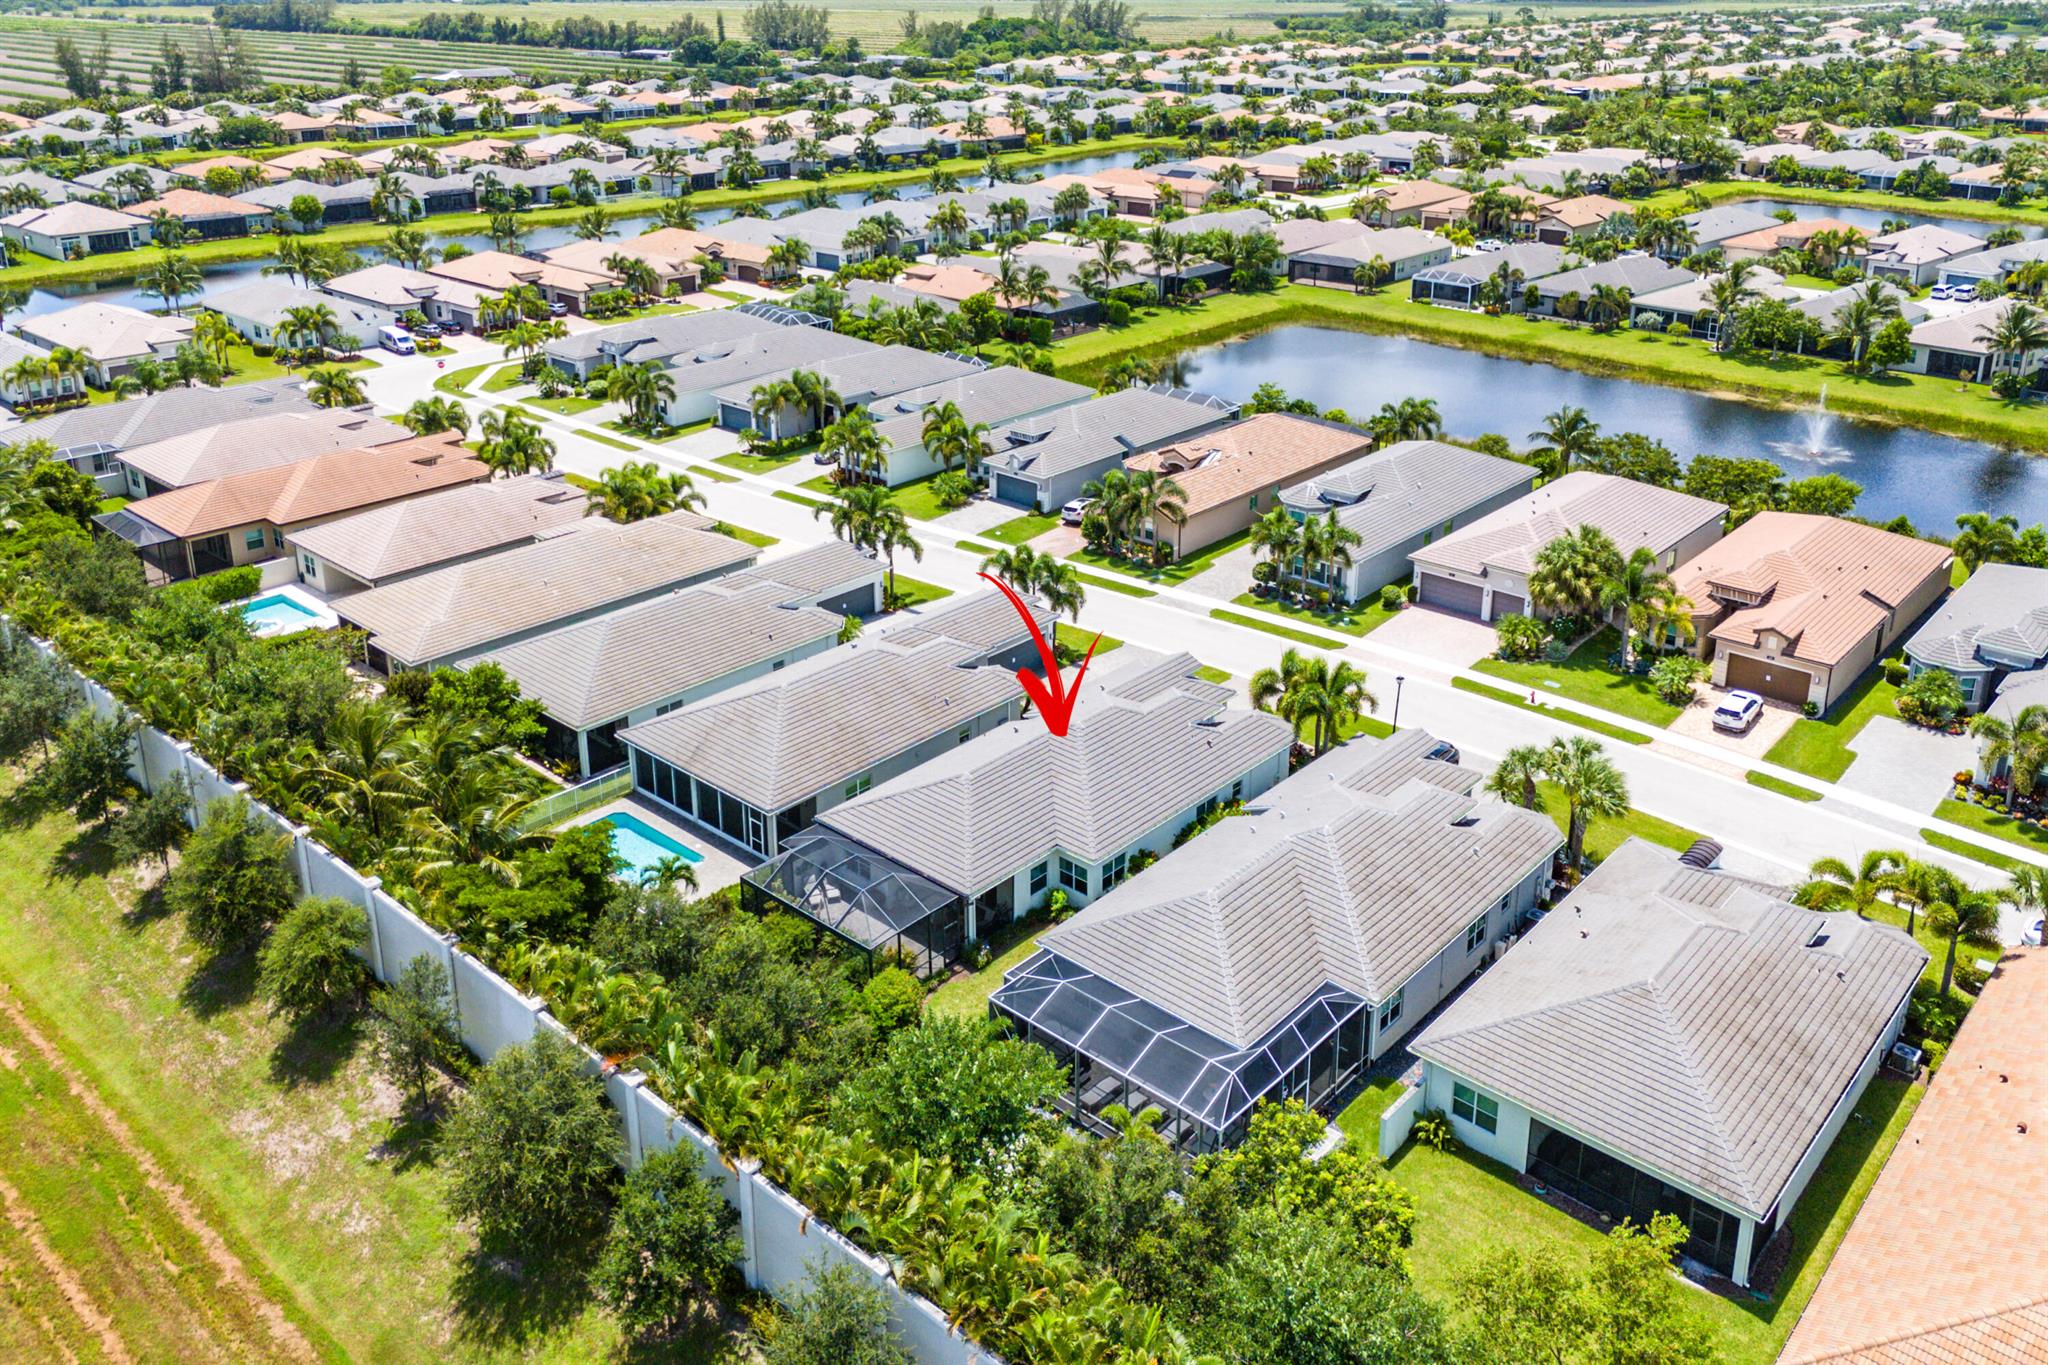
{"x":112,"y":337}
{"x":1317,"y":926}
{"x":91,"y":438}
{"x":1458,"y":283}
{"x":257,"y":309}
{"x":1916,"y":255}
{"x":385,"y":544}
{"x":1676,"y":1040}
{"x":1958,"y":346}
{"x":1796,"y":607}
{"x":14,"y":351}
{"x":653,"y":339}
{"x":499,"y":271}
{"x":62,"y":231}
{"x":1043,"y":461}
{"x":596,"y":677}
{"x":1231,"y":475}
{"x":759,"y":761}
{"x":998,"y":394}
{"x":244,"y":518}
{"x":1925,"y":1281}
{"x":398,"y":290}
{"x":1482,"y":569}
{"x":860,"y":376}
{"x":703,"y":374}
{"x":1993,"y":627}
{"x":454,"y":613}
{"x":1636,"y":274}
{"x":1782,"y":236}
{"x":206,"y":216}
{"x":239,"y":444}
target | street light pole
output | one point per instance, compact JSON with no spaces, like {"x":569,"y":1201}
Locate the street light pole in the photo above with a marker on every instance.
{"x":1398,"y":680}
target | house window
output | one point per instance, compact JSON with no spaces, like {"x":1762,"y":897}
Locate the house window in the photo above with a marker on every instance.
{"x":1475,"y":935}
{"x":1481,"y":1111}
{"x":276,"y":539}
{"x":311,"y":566}
{"x":858,"y":785}
{"x":1113,"y":870}
{"x":1390,"y":1013}
{"x":253,"y":540}
{"x":1253,"y":502}
{"x":1040,"y":875}
{"x":966,"y":733}
{"x":1073,"y":876}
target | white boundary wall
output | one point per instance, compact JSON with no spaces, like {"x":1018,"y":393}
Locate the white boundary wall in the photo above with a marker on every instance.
{"x":782,"y":1238}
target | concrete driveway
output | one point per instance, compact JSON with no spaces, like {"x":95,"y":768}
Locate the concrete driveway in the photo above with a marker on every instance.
{"x":1457,"y":641}
{"x":1697,"y":721}
{"x":979,"y":515}
{"x":1229,"y":576}
{"x":1907,"y":765}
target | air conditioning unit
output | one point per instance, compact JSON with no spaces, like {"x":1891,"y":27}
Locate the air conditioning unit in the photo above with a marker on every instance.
{"x":1904,"y":1057}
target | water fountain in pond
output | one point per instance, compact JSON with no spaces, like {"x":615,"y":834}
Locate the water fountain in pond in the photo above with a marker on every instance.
{"x":1815,"y":449}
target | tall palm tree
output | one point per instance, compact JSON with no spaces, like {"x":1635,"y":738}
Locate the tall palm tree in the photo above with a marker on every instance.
{"x":594,"y":226}
{"x":1960,"y":912}
{"x":856,"y":512}
{"x":335,"y":387}
{"x":1041,"y":577}
{"x":648,"y":390}
{"x":430,"y":415}
{"x":171,"y":279}
{"x":1607,"y":306}
{"x":1833,"y":885}
{"x":2020,"y":330}
{"x":855,"y":446}
{"x":1570,"y":571}
{"x":1648,"y":600}
{"x":1589,"y":783}
{"x":2021,"y":742}
{"x":308,"y":325}
{"x":1514,"y":778}
{"x":512,"y":444}
{"x":1278,"y":535}
{"x":1566,"y":436}
{"x":633,"y":492}
{"x":1314,"y":691}
{"x":950,"y":438}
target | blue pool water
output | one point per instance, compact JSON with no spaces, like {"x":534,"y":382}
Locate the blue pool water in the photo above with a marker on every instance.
{"x":642,"y":845}
{"x":276,"y":612}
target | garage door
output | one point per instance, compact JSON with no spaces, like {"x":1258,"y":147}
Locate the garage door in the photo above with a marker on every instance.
{"x":1507,"y":604}
{"x":1751,"y":674}
{"x":1017,"y":491}
{"x":1437,"y":591}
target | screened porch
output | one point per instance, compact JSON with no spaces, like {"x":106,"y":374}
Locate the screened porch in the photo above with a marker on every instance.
{"x":878,"y":906}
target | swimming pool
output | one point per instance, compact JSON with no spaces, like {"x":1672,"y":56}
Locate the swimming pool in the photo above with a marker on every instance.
{"x":642,"y":845}
{"x":277,"y":612}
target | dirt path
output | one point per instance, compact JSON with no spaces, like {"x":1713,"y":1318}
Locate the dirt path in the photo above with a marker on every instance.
{"x":232,"y":1275}
{"x":23,"y":1220}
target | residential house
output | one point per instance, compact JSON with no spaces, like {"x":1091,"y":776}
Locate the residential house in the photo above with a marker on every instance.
{"x":1994,"y":625}
{"x":1202,"y":988}
{"x":91,"y":439}
{"x":397,"y":290}
{"x":1398,"y":499}
{"x":16,"y":352}
{"x":1044,"y":461}
{"x":1993,"y":263}
{"x":1956,"y":1277}
{"x":205,"y":217}
{"x":1713,"y":226}
{"x":1458,"y":283}
{"x":451,"y":614}
{"x":1577,"y":219}
{"x":1959,"y":346}
{"x":991,"y":397}
{"x":986,"y":830}
{"x":692,"y":336}
{"x":674,"y":273}
{"x":499,"y":271}
{"x":758,"y":762}
{"x":853,"y":379}
{"x":596,"y":677}
{"x":72,"y":229}
{"x":384,"y":544}
{"x":1915,"y":256}
{"x":1792,"y":236}
{"x":111,"y":336}
{"x":1796,"y":607}
{"x":245,"y":442}
{"x":258,"y":309}
{"x":1417,"y":203}
{"x":735,"y":365}
{"x":1482,"y":568}
{"x":244,"y":518}
{"x":1672,"y":1040}
{"x":1635,"y":274}
{"x":1230,"y":476}
{"x":1349,"y":244}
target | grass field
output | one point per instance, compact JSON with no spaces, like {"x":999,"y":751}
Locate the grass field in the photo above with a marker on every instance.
{"x":1586,"y":677}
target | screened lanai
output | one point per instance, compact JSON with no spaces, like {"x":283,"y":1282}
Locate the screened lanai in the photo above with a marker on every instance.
{"x":1119,"y":1049}
{"x":872,"y":902}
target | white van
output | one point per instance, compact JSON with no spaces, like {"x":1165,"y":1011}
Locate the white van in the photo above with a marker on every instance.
{"x":396,"y":340}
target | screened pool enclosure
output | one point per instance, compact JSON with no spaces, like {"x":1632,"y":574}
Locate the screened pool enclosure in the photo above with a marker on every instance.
{"x":1119,"y":1049}
{"x":871,"y":902}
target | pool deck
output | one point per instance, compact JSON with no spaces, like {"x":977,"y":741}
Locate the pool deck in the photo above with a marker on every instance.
{"x":724,"y":860}
{"x":319,"y":616}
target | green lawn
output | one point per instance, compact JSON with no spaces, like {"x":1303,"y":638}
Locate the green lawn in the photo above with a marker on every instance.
{"x":1821,"y":748}
{"x":1370,"y":726}
{"x":458,"y":381}
{"x":918,"y":502}
{"x":1990,"y":822}
{"x":757,"y":464}
{"x":246,"y":367}
{"x":1586,"y":677}
{"x":1078,"y":640}
{"x":1360,"y":1119}
{"x":1114,"y":585}
{"x":800,"y":499}
{"x":1358,"y":618}
{"x":1937,"y":839}
{"x":1781,"y":787}
{"x":1597,"y":726}
{"x":113,"y":504}
{"x":1017,"y":530}
{"x":507,"y":376}
{"x":1467,"y":1205}
{"x":758,"y":539}
{"x":1179,"y":571}
{"x":1604,"y":834}
{"x":713,"y":473}
{"x":1935,"y":944}
{"x":1207,"y":673}
{"x":566,"y":407}
{"x":915,"y":592}
{"x":967,"y":996}
{"x":608,"y":441}
{"x":1300,"y":637}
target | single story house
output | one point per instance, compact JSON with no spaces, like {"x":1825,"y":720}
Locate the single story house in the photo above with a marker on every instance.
{"x":1482,"y":568}
{"x":398,"y":290}
{"x":1578,"y":218}
{"x":1416,"y":203}
{"x":1635,"y":274}
{"x":90,"y":439}
{"x":248,"y":442}
{"x":1692,"y":303}
{"x":1231,"y":475}
{"x":986,"y":830}
{"x":71,"y":229}
{"x":111,"y":336}
{"x":737,"y":365}
{"x":1401,"y":251}
{"x":1959,"y":347}
{"x":857,"y":377}
{"x":991,"y":397}
{"x":676,"y":274}
{"x":1200,"y":987}
{"x":244,"y":518}
{"x":384,"y":544}
{"x":1671,"y":1040}
{"x":1995,"y":624}
{"x":1915,"y":255}
{"x":1044,"y":461}
{"x":15,"y":352}
{"x":1796,"y":607}
{"x":1400,"y":498}
{"x":452,"y":614}
{"x":1457,"y":283}
{"x":500,"y":271}
{"x":206,"y":217}
{"x":1993,"y":263}
{"x":1958,"y":1277}
{"x":758,"y":762}
{"x":1792,"y":236}
{"x":1713,"y":226}
{"x":257,"y":309}
{"x":704,"y":333}
{"x":596,"y":677}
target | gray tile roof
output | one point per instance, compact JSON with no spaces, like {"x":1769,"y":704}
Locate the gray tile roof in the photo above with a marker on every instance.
{"x":1719,"y":223}
{"x":1688,"y":1021}
{"x":1631,"y":513}
{"x":260,"y":440}
{"x":1533,"y":259}
{"x":1109,"y":427}
{"x":997,"y":394}
{"x":1396,"y":493}
{"x":1355,"y":871}
{"x":1148,"y":740}
{"x":822,"y":721}
{"x":604,"y":668}
{"x":1637,"y":274}
{"x":418,"y":533}
{"x":161,"y":416}
{"x":2002,"y":609}
{"x":708,"y":368}
{"x":863,"y":375}
{"x":658,"y":338}
{"x":465,"y":608}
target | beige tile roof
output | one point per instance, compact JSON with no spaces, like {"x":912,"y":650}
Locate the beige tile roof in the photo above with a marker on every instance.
{"x":1826,"y":583}
{"x":1793,"y":234}
{"x":197,"y":204}
{"x":108,"y":332}
{"x":1587,"y":210}
{"x":405,"y":537}
{"x":502,"y":270}
{"x":1946,"y":1262}
{"x":1262,"y":451}
{"x":324,"y":485}
{"x":257,"y":443}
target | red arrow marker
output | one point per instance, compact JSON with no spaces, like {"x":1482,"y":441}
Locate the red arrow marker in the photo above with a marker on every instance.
{"x":1049,"y":694}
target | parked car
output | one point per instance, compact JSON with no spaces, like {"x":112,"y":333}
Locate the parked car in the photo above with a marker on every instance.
{"x":558,"y":309}
{"x":426,"y":329}
{"x":1963,"y":293}
{"x":1071,"y":514}
{"x":2032,"y":938}
{"x":396,"y":340}
{"x":1737,"y":712}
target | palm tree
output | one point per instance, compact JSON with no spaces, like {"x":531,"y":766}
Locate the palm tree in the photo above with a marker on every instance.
{"x":512,"y":444}
{"x":1832,"y":885}
{"x":307,"y":325}
{"x":646,"y":389}
{"x":1313,"y":690}
{"x":1514,"y":778}
{"x":855,"y":446}
{"x":636,"y":491}
{"x":1041,"y":577}
{"x":891,"y":534}
{"x":594,"y":226}
{"x":2019,"y":330}
{"x":1959,"y":912}
{"x":430,"y":415}
{"x":1566,"y":436}
{"x":1984,"y":539}
{"x":335,"y":387}
{"x":505,"y":231}
{"x":1607,"y":306}
{"x":1855,"y":325}
{"x":1590,"y":785}
{"x":2022,"y":742}
{"x":362,"y":776}
{"x":950,"y":438}
{"x":1647,"y":598}
{"x":855,"y":513}
{"x":1571,"y":570}
{"x":1279,"y":535}
{"x":171,"y":279}
{"x":215,"y":335}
